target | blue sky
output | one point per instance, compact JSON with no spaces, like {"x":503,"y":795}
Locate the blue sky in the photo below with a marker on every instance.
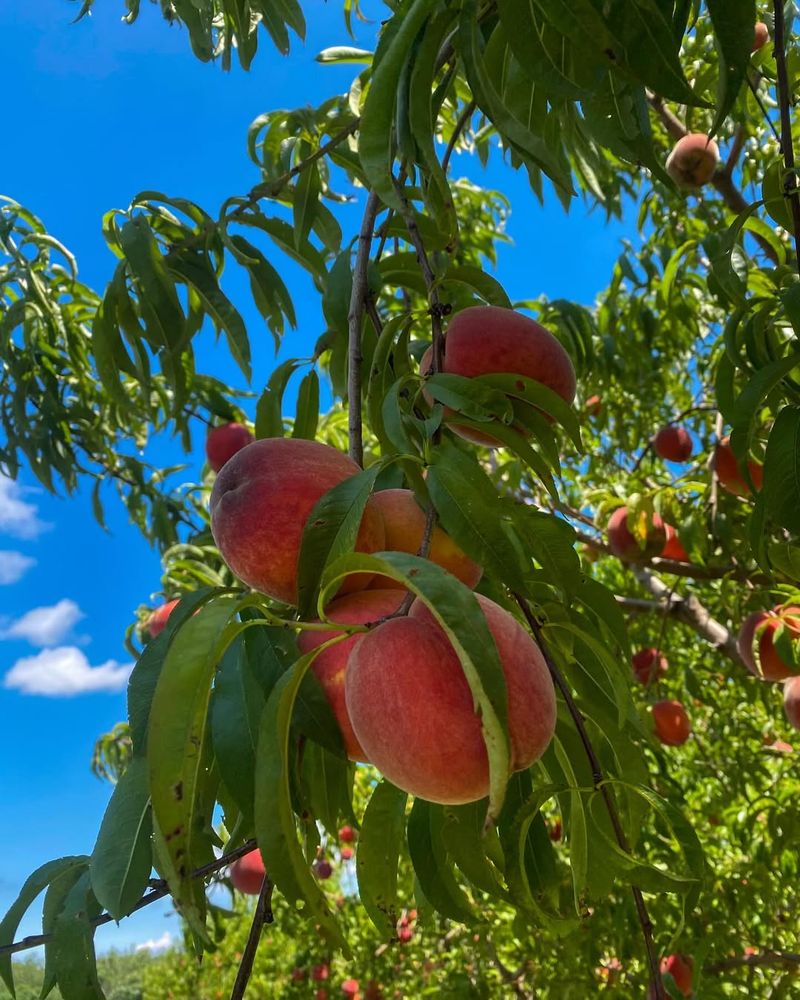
{"x":102,"y":112}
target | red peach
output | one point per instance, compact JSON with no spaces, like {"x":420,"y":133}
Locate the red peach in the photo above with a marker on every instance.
{"x":488,"y":340}
{"x":350,"y":987}
{"x":261,"y":501}
{"x":405,"y":934}
{"x":223,"y":442}
{"x":330,"y":666}
{"x":625,"y":545}
{"x":555,"y":831}
{"x":593,"y":406}
{"x":760,"y":36}
{"x":649,"y":663}
{"x":413,"y":712}
{"x":673,"y":444}
{"x":680,"y":968}
{"x":761,"y":626}
{"x":404,"y":524}
{"x":791,"y":700}
{"x":693,"y":160}
{"x":346,"y":853}
{"x":729,"y":472}
{"x":347,"y":834}
{"x":157,"y":621}
{"x":672,"y":726}
{"x":247,"y":874}
{"x":673,"y":548}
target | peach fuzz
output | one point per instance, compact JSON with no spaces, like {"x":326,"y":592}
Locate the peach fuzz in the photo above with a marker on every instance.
{"x":761,"y":626}
{"x":729,"y":473}
{"x":157,"y":621}
{"x":404,"y":524}
{"x":413,"y":712}
{"x":673,"y":444}
{"x":625,"y":545}
{"x":489,"y":340}
{"x":791,"y":701}
{"x":693,"y":160}
{"x":331,"y":665}
{"x":261,"y":501}
{"x":223,"y":442}
{"x":247,"y":874}
{"x":671,"y":723}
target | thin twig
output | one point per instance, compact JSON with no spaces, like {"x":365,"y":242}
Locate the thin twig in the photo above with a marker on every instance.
{"x":357,"y":299}
{"x":463,"y":119}
{"x":263,"y":915}
{"x":604,"y":789}
{"x":753,"y":85}
{"x":159,"y":890}
{"x":739,"y":139}
{"x":789,"y":959}
{"x":785,"y":104}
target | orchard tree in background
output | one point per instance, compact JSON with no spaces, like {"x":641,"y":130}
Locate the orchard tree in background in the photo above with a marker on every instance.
{"x":539,"y":577}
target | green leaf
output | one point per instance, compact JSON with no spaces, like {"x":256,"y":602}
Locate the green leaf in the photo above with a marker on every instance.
{"x":781,"y":492}
{"x":471,"y":512}
{"x":73,"y":944}
{"x":541,"y":397}
{"x":733,"y":22}
{"x":306,"y":197}
{"x":158,"y":297}
{"x":376,"y":131}
{"x":276,"y":830}
{"x":457,"y":611}
{"x":751,"y":398}
{"x":122,"y":856}
{"x":236,"y":705}
{"x":54,"y":901}
{"x":34,"y":884}
{"x":432,"y":867}
{"x":470,"y":397}
{"x":198,"y":273}
{"x":307,"y":410}
{"x":377,"y":858}
{"x":177,"y":751}
{"x":269,"y":416}
{"x":327,"y":779}
{"x":464,"y":834}
{"x":331,"y":530}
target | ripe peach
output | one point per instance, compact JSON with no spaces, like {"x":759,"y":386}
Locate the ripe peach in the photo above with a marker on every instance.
{"x":760,"y":36}
{"x":680,"y":968}
{"x":157,"y":621}
{"x":625,"y":545}
{"x":693,"y":160}
{"x":323,"y":868}
{"x":791,"y":700}
{"x":223,"y":442}
{"x":320,"y":973}
{"x":555,"y":831}
{"x":330,"y":666}
{"x":404,"y":524}
{"x":673,"y":548}
{"x":346,"y":853}
{"x":350,"y":987}
{"x":673,"y":444}
{"x":261,"y":501}
{"x":762,"y":625}
{"x":247,"y":874}
{"x":488,"y":340}
{"x":671,"y":722}
{"x":649,"y":662}
{"x":729,"y":473}
{"x":413,"y":712}
{"x":346,"y":833}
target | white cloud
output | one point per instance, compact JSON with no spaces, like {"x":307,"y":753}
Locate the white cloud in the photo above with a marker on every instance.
{"x":44,"y":626}
{"x":157,"y":944}
{"x":17,"y":516}
{"x":13,"y":565}
{"x":65,"y":671}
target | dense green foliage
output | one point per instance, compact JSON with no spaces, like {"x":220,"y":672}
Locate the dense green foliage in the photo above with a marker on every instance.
{"x":698,"y":326}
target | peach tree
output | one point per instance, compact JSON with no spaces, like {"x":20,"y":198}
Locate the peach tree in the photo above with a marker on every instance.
{"x":602,"y":482}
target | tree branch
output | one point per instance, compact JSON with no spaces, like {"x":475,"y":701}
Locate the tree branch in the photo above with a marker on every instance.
{"x":692,"y":613}
{"x":358,"y":298}
{"x":263,"y":915}
{"x":788,"y":959}
{"x":158,"y":891}
{"x":722,"y":181}
{"x":600,"y":785}
{"x":785,"y":104}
